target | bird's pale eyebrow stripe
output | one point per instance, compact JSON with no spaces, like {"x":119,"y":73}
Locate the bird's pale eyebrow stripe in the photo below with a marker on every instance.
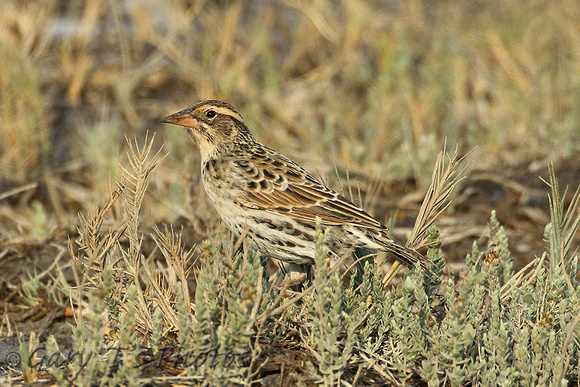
{"x":229,"y":112}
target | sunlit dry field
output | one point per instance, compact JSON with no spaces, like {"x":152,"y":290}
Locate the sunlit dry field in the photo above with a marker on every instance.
{"x":364,"y":94}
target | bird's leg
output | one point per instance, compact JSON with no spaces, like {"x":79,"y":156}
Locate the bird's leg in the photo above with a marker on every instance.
{"x":295,"y":275}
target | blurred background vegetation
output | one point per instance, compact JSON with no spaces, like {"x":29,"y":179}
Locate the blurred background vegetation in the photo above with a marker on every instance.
{"x":359,"y":87}
{"x":364,"y":94}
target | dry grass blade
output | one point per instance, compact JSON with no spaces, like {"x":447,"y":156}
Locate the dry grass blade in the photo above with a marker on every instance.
{"x":16,"y":191}
{"x":569,"y":223}
{"x":93,"y":245}
{"x":444,"y":179}
{"x":273,"y":312}
{"x":136,"y":179}
{"x":89,"y":230}
{"x":163,"y":298}
{"x":517,"y":279}
{"x":93,"y":249}
{"x":564,"y":224}
{"x":177,"y":258}
{"x":393,"y":270}
{"x":372,"y":360}
{"x":102,"y":249}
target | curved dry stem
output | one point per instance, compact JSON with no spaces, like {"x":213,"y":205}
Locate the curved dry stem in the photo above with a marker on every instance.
{"x":446,"y":176}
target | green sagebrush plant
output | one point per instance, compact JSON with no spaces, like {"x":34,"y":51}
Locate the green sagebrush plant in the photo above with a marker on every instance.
{"x":490,"y":326}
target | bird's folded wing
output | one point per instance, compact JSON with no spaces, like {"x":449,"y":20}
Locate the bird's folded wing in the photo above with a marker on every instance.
{"x":278,"y":185}
{"x":306,"y":201}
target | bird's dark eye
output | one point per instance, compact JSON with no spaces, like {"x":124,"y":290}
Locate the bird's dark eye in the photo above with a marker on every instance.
{"x":210,"y":114}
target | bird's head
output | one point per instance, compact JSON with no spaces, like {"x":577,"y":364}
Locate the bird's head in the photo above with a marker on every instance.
{"x":215,"y":126}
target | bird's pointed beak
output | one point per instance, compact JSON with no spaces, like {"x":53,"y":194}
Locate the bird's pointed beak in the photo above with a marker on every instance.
{"x":183,"y":118}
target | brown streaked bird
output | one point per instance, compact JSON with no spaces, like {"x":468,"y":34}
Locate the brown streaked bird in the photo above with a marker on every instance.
{"x":255,"y":188}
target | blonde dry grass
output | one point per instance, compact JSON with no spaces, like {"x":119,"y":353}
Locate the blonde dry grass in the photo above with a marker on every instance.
{"x":155,"y":286}
{"x":368,"y":86}
{"x":446,"y":176}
